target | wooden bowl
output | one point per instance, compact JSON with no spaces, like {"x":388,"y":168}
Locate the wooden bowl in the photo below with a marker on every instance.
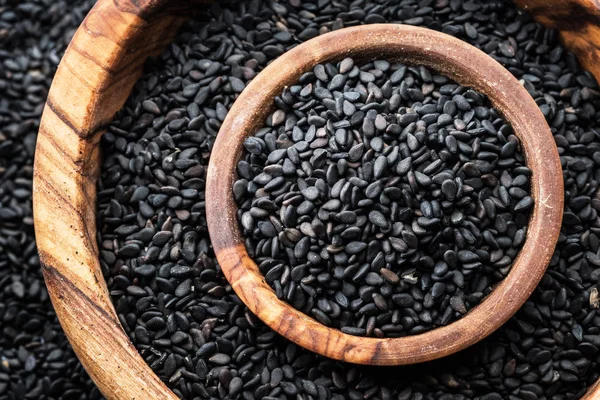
{"x":413,"y":46}
{"x":111,"y":46}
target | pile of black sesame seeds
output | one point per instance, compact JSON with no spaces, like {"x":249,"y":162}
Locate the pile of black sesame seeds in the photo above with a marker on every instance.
{"x":36,"y":360}
{"x":180,"y":311}
{"x":549,"y":350}
{"x":381,"y":199}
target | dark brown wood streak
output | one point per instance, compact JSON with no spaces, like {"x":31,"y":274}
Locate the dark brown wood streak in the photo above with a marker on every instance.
{"x":64,"y":117}
{"x":95,"y":77}
{"x":416,"y":46}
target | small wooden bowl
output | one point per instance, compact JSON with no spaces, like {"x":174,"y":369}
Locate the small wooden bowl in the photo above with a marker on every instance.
{"x":95,"y":77}
{"x":414,"y":46}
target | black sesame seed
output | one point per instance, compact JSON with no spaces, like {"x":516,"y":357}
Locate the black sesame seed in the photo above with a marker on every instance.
{"x":233,"y":42}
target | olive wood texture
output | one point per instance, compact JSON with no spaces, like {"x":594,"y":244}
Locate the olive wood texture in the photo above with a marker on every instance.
{"x":95,"y":77}
{"x":93,"y":80}
{"x":578,"y":22}
{"x":414,"y":46}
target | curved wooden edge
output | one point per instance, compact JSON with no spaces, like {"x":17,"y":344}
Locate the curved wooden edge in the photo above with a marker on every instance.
{"x":579,"y":25}
{"x":95,"y":76}
{"x":453,"y":58}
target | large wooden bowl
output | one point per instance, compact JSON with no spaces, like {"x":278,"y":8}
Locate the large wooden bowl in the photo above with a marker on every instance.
{"x":92,"y":83}
{"x":414,"y":46}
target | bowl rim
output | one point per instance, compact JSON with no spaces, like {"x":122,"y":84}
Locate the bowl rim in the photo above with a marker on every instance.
{"x":95,"y":76}
{"x":414,"y":46}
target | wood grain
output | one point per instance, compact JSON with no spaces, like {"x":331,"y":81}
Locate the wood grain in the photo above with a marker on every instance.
{"x":414,"y":46}
{"x":578,"y":22}
{"x":95,"y":77}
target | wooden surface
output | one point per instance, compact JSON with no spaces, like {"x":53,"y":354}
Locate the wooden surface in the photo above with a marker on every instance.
{"x":415,"y":46}
{"x":579,"y":25}
{"x":94,"y":78}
